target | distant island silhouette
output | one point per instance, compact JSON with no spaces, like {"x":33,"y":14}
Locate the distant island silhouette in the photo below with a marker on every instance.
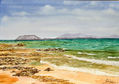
{"x":64,"y":36}
{"x":28,"y":37}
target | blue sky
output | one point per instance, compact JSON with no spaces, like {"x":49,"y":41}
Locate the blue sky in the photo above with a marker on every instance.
{"x":52,"y":18}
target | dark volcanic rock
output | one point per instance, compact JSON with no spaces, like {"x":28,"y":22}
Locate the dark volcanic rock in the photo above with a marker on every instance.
{"x":48,"y":69}
{"x":28,"y":37}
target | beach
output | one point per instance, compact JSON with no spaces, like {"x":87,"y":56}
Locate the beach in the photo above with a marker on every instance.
{"x":18,"y":65}
{"x":72,"y":76}
{"x":59,"y":41}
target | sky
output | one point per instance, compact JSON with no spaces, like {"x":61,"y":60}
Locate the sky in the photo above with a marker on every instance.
{"x":52,"y":18}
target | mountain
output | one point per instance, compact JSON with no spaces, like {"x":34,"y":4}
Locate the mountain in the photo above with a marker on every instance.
{"x":77,"y":35}
{"x":28,"y":37}
{"x":113,"y":36}
{"x":80,"y":35}
{"x":109,"y":36}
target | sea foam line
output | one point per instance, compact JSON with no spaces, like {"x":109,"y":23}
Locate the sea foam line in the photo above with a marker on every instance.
{"x":86,"y":53}
{"x":115,"y":63}
{"x":111,"y":57}
{"x":87,"y":70}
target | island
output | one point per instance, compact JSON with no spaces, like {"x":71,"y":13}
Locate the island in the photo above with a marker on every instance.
{"x":28,"y":37}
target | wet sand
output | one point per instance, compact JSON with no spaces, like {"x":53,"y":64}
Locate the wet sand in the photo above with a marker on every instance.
{"x":80,"y":77}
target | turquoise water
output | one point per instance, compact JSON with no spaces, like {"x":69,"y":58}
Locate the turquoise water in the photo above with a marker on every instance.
{"x":73,"y":44}
{"x":101,"y":48}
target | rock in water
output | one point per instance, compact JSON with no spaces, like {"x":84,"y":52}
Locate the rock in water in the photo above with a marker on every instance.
{"x":28,"y":37}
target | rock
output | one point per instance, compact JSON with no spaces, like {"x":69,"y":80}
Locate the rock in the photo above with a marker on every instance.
{"x":48,"y":69}
{"x":13,"y":61}
{"x":20,"y":45}
{"x":38,"y":49}
{"x":26,"y":71}
{"x":52,"y":49}
{"x":13,"y":71}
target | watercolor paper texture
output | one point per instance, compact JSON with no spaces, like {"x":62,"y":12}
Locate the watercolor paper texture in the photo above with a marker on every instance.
{"x":59,"y":42}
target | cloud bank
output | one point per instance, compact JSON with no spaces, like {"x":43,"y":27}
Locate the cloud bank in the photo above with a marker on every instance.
{"x":52,"y":21}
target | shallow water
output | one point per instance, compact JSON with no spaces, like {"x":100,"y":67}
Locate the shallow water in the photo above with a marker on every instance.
{"x":98,"y":53}
{"x":91,"y":48}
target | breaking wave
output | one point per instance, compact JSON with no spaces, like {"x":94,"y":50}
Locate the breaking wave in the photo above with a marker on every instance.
{"x":106,"y":62}
{"x":89,"y":70}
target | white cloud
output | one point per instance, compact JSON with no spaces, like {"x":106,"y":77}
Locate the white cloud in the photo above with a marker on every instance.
{"x":4,"y":19}
{"x":47,"y":9}
{"x":98,"y":23}
{"x":114,"y":5}
{"x":93,"y":2}
{"x":110,"y":11}
{"x":66,"y":2}
{"x":23,"y":13}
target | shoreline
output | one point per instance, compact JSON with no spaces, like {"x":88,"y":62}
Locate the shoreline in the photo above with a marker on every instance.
{"x":85,"y":70}
{"x":74,"y":77}
{"x":24,"y":64}
{"x":115,"y":63}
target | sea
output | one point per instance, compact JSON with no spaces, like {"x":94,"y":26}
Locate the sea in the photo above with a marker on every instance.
{"x":71,"y":44}
{"x":100,"y":54}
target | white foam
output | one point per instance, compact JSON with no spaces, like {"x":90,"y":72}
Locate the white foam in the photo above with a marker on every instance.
{"x":90,"y":53}
{"x":110,"y":57}
{"x":86,"y":53}
{"x":89,"y":70}
{"x":115,"y":63}
{"x":80,"y":53}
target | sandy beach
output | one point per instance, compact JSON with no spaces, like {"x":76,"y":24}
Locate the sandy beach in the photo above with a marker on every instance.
{"x":18,"y":67}
{"x":59,"y":41}
{"x":72,"y":76}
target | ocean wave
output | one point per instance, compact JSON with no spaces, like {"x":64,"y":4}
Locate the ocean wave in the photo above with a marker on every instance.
{"x":110,"y":57}
{"x":106,"y":62}
{"x":86,"y":53}
{"x":89,"y":70}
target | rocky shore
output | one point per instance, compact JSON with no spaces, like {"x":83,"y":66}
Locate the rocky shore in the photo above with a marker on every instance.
{"x":25,"y":64}
{"x":19,"y":63}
